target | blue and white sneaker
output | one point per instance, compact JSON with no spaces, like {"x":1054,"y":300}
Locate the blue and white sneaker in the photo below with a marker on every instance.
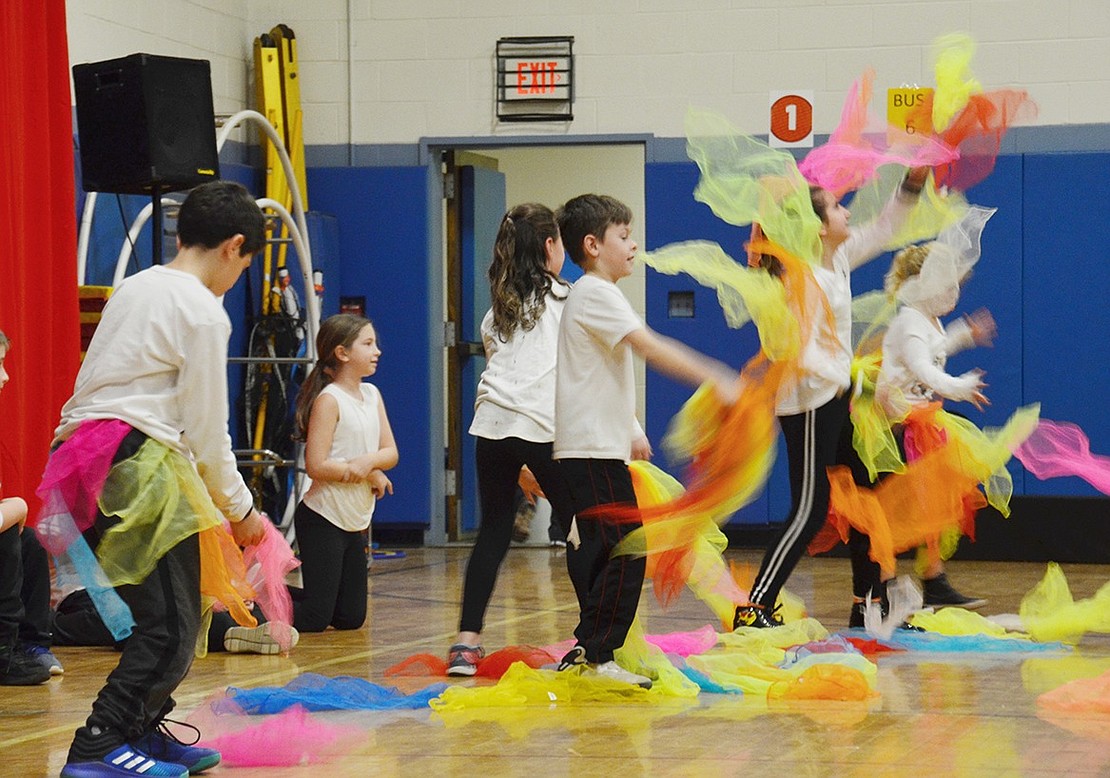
{"x":125,"y":762}
{"x":45,"y":657}
{"x":162,"y":744}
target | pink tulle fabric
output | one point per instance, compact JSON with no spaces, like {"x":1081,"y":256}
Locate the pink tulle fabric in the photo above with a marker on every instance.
{"x":267,"y":564}
{"x":72,"y":482}
{"x":685,"y":643}
{"x":1058,"y":449}
{"x":293,"y":737}
{"x":860,"y":145}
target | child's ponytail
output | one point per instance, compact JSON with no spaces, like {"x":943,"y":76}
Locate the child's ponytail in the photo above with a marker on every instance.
{"x":518,"y":276}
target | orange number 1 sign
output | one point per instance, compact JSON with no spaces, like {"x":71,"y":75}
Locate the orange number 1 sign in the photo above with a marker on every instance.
{"x":791,"y":119}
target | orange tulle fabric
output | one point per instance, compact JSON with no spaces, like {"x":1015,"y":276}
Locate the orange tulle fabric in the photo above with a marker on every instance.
{"x":938,"y":493}
{"x":731,"y":449}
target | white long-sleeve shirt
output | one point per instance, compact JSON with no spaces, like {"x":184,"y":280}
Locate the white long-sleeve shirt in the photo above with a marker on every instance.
{"x":158,"y":361}
{"x":825,"y":373}
{"x":915,"y":349}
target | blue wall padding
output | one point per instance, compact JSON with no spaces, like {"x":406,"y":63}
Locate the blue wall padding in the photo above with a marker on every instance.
{"x":1066,"y":349}
{"x":383,"y":224}
{"x":673,"y":215}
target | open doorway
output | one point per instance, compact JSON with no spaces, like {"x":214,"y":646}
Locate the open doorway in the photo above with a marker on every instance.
{"x":480,"y":183}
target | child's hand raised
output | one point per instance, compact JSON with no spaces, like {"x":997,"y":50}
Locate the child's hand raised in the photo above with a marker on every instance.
{"x":380,"y":484}
{"x":983,"y":328}
{"x":978,"y":399}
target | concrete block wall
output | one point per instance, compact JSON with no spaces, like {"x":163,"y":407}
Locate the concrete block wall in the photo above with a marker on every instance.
{"x":393,"y":71}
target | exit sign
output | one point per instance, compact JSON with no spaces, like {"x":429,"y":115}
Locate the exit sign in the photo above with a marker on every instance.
{"x":532,"y":78}
{"x":535,"y":79}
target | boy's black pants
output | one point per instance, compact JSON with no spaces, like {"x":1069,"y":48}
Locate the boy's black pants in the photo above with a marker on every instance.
{"x":611,"y":584}
{"x":157,"y":656}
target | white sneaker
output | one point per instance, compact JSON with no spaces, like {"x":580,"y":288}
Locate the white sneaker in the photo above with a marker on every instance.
{"x":615,"y":672}
{"x":256,"y":640}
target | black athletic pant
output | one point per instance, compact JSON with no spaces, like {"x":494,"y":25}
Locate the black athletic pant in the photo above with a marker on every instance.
{"x":333,"y":570}
{"x":611,"y":584}
{"x":35,"y":592}
{"x":11,"y":580}
{"x":815,"y":440}
{"x":24,"y":589}
{"x":498,"y":464}
{"x":157,"y":655}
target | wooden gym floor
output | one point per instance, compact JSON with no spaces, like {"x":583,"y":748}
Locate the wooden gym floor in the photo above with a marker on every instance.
{"x":968,"y":715}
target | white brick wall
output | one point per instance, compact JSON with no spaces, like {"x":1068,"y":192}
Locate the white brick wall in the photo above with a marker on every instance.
{"x":392,"y":71}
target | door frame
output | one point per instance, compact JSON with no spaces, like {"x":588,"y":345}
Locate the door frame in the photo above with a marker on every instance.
{"x":446,"y":427}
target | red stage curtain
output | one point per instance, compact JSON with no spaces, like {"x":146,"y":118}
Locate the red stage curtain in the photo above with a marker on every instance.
{"x":38,"y":237}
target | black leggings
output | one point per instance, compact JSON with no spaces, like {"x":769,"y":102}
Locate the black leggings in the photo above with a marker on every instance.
{"x":499,"y":463}
{"x":815,"y":440}
{"x":333,"y":569}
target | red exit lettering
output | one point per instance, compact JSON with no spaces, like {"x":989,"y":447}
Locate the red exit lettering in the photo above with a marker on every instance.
{"x":536,"y":78}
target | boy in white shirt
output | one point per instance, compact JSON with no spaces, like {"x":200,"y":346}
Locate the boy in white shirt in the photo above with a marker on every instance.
{"x":156,"y":374}
{"x":596,"y":431}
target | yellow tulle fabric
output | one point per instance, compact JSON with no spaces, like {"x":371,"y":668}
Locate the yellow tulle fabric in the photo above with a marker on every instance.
{"x":1050,"y":613}
{"x":933,"y":212}
{"x":872,"y":428}
{"x":952,"y":55}
{"x":824,"y":682}
{"x":744,"y":294}
{"x":680,"y":552}
{"x":957,"y":621}
{"x":743,"y":181}
{"x":160,"y":501}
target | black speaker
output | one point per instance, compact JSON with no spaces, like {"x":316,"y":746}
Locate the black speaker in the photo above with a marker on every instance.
{"x":145,"y":121}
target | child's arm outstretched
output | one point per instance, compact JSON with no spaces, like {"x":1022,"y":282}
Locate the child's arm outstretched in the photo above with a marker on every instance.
{"x":679,"y":361}
{"x":967,"y":387}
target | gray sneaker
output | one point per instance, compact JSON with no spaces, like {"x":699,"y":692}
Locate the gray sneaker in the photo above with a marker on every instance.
{"x":256,"y":640}
{"x":615,"y":672}
{"x":462,"y":660}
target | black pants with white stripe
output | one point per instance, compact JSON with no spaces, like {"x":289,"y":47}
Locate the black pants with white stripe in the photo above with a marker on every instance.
{"x":815,"y":440}
{"x":610,"y":585}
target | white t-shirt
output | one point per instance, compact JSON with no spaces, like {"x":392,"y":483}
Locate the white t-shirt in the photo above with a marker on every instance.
{"x":158,"y":361}
{"x":595,"y":387}
{"x":915,"y":349}
{"x":358,"y":431}
{"x":826,"y":373}
{"x":516,"y":393}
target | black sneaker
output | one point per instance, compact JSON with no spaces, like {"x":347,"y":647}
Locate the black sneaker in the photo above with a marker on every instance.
{"x":938,"y":593}
{"x":755,"y":616}
{"x":573,"y":658}
{"x":19,"y":669}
